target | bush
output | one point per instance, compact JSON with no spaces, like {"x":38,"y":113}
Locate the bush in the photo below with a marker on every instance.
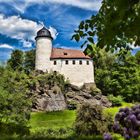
{"x":91,"y":121}
{"x":11,"y":128}
{"x":95,"y":91}
{"x":52,"y":79}
{"x":116,"y":101}
{"x":127,"y":122}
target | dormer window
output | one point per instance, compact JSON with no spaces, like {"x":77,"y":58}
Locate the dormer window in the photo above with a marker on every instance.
{"x":65,"y":53}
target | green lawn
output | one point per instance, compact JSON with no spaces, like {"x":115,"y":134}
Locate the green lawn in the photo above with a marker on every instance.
{"x":114,"y":110}
{"x":52,"y":120}
{"x":42,"y":121}
{"x":61,"y":119}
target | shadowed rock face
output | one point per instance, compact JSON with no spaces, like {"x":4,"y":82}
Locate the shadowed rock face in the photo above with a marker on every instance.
{"x":50,"y":100}
{"x":54,"y":99}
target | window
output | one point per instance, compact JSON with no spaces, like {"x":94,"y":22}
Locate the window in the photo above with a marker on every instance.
{"x":54,"y":63}
{"x":66,"y":62}
{"x":87,"y":62}
{"x":65,"y":53}
{"x":80,"y":62}
{"x":73,"y":62}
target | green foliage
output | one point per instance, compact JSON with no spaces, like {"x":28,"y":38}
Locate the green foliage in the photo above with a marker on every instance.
{"x":16,"y":61}
{"x":12,"y":128}
{"x":118,"y":76}
{"x":29,"y":61}
{"x":52,"y":79}
{"x":95,"y":91}
{"x":137,"y":55}
{"x":22,"y":60}
{"x":15,"y":100}
{"x":116,"y":101}
{"x":90,"y":120}
{"x":115,"y":26}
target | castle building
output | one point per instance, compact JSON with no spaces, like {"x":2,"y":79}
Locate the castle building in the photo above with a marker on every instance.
{"x":73,"y":64}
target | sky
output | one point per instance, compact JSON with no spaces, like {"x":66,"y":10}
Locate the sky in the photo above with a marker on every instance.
{"x":21,"y":19}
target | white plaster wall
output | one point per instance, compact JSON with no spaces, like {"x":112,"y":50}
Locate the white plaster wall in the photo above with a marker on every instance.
{"x":77,"y":74}
{"x":58,"y":65}
{"x":43,"y":53}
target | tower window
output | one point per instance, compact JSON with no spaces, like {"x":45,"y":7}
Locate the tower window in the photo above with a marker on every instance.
{"x":73,"y":62}
{"x":66,"y":62}
{"x":80,"y":62}
{"x":87,"y":62}
{"x":54,"y":62}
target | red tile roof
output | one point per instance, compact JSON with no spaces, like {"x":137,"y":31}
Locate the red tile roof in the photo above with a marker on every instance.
{"x":58,"y":53}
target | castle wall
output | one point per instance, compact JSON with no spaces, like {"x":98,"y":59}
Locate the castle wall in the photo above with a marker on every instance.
{"x":78,"y":74}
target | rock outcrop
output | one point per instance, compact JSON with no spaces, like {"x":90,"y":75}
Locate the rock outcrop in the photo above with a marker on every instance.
{"x":54,"y":99}
{"x":89,"y":93}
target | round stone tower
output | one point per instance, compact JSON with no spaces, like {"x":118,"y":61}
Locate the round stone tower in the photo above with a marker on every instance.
{"x":43,"y":50}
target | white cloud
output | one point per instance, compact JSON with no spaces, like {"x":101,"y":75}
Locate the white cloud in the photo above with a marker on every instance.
{"x":92,"y":5}
{"x":21,"y":29}
{"x":16,"y":27}
{"x":6,"y":46}
{"x":53,"y":31}
{"x":133,"y":46}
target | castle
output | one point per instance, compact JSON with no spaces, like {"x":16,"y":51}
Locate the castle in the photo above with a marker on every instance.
{"x":73,"y":64}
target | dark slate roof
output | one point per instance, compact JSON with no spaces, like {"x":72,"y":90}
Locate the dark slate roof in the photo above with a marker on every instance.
{"x":44,"y":33}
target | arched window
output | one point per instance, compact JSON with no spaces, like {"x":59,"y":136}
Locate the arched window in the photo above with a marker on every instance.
{"x":87,"y":62}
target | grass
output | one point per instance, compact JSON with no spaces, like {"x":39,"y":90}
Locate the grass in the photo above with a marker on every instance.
{"x":41,"y":122}
{"x":52,"y":120}
{"x":61,"y":119}
{"x":113,"y":110}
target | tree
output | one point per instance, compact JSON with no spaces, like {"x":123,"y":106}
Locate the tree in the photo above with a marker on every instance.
{"x":16,"y":60}
{"x":22,"y":60}
{"x":121,"y":76}
{"x":137,"y":55}
{"x":115,"y":26}
{"x":15,"y":101}
{"x":29,"y":61}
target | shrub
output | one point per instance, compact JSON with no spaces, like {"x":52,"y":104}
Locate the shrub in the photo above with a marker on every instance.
{"x":52,"y":79}
{"x":95,"y":91}
{"x":91,"y":121}
{"x":127,"y":122}
{"x":116,"y":100}
{"x":12,"y":128}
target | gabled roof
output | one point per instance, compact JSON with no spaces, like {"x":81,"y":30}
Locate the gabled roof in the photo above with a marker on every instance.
{"x":59,"y":53}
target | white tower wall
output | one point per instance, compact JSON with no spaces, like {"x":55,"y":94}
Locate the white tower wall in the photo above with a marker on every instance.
{"x":43,"y":53}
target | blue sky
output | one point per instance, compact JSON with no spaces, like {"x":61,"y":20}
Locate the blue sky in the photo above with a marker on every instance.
{"x":21,"y":19}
